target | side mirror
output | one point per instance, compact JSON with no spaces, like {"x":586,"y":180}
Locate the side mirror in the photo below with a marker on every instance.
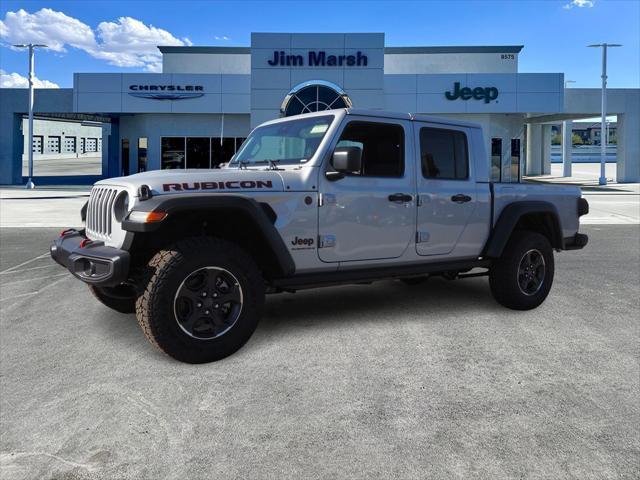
{"x":347,"y":159}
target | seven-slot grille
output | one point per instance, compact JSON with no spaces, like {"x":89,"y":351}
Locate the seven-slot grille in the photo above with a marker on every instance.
{"x":100,"y":211}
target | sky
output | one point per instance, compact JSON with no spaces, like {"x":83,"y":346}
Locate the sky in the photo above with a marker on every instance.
{"x":121,"y":36}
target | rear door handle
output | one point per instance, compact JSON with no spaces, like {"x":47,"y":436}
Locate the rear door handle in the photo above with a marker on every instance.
{"x":460,"y":198}
{"x":400,"y":197}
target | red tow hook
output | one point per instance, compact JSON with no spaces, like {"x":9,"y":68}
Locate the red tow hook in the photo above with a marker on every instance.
{"x":64,"y":232}
{"x":85,"y":242}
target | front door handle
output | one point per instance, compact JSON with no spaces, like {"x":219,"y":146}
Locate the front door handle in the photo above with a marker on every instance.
{"x":400,"y":197}
{"x":461,"y":198}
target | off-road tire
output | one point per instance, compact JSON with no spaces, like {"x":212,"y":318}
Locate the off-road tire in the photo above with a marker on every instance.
{"x":121,"y":298}
{"x":166,"y":273}
{"x":505,"y":275}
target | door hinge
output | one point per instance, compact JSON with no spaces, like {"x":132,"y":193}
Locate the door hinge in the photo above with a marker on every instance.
{"x":422,"y":237}
{"x":326,"y":241}
{"x":327,"y":199}
{"x":419,"y":200}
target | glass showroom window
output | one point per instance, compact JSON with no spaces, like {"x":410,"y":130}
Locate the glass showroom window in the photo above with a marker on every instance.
{"x":515,"y":160}
{"x":124,"y":157}
{"x":221,"y":152}
{"x":314,"y":96}
{"x":239,"y":142}
{"x":197,"y":152}
{"x":142,"y":154}
{"x":496,"y":159}
{"x":173,"y":152}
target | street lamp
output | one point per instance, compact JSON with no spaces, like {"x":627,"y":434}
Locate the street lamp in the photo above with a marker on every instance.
{"x":31,"y":47}
{"x":603,"y":120}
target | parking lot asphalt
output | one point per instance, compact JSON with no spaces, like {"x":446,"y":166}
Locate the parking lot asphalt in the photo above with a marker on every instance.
{"x":382,"y":381}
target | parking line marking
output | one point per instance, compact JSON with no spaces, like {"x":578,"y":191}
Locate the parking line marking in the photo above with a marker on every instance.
{"x":25,"y":263}
{"x":30,"y":268}
{"x":18,"y":296}
{"x":38,"y":291}
{"x":30,"y":279}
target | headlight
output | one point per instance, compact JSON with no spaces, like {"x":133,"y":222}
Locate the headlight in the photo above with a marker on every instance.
{"x":146,"y":217}
{"x":121,"y":206}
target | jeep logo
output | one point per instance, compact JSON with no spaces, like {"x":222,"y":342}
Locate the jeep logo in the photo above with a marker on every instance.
{"x":307,"y":242}
{"x":479,"y":93}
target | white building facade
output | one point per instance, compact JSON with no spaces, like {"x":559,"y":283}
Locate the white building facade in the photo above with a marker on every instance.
{"x":196,"y":113}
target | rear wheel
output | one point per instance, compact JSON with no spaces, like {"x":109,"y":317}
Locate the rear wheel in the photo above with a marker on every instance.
{"x":203,"y":300}
{"x":522,"y":277}
{"x":121,"y":298}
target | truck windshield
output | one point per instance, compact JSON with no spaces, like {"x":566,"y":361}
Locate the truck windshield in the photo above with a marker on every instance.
{"x":287,"y":143}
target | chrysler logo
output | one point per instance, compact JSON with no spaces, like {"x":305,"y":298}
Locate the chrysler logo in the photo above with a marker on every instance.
{"x":166,"y":92}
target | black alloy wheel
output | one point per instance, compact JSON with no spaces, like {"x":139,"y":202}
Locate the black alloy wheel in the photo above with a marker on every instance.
{"x":208,"y":303}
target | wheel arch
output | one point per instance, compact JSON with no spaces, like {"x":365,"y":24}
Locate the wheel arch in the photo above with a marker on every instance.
{"x":242,"y":220}
{"x":537,"y":216}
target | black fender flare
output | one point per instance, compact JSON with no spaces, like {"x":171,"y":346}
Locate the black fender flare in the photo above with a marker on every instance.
{"x":202,"y":202}
{"x":509,"y":218}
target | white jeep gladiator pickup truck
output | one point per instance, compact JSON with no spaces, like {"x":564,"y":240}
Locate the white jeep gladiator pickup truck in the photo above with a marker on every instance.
{"x":327,"y":198}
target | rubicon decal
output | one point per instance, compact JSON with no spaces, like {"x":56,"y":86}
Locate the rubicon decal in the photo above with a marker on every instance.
{"x":230,"y":185}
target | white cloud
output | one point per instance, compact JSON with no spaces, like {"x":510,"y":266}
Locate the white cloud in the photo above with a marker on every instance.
{"x":47,"y":26}
{"x":127,"y":42}
{"x":15,"y":80}
{"x":222,"y":38}
{"x":579,"y":4}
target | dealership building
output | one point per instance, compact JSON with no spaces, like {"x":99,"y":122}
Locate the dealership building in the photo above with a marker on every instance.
{"x":197,"y":112}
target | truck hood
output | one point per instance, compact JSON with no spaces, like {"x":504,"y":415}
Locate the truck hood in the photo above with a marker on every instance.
{"x":206,"y":181}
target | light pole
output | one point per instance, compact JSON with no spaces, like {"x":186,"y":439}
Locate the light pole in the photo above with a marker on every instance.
{"x":603,"y":120}
{"x":31,"y":47}
{"x":567,"y":140}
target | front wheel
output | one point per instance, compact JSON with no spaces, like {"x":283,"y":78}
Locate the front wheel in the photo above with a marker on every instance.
{"x":522,"y":277}
{"x":203,"y":300}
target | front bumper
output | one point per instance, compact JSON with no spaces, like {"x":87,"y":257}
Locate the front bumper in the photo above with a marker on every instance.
{"x":90,"y":261}
{"x":578,"y":241}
